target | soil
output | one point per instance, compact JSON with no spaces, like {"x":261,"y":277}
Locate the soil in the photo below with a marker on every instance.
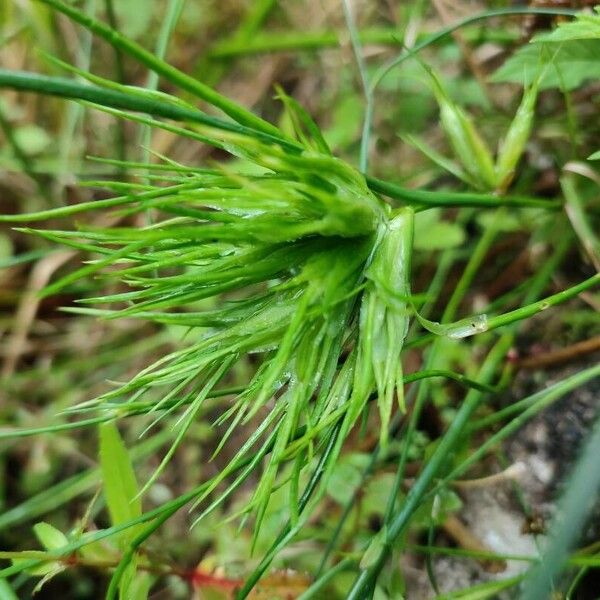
{"x":511,"y":515}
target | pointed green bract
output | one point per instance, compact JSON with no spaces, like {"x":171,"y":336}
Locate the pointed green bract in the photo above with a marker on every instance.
{"x":384,"y":314}
{"x":470,"y":148}
{"x":477,"y":166}
{"x":513,"y":145}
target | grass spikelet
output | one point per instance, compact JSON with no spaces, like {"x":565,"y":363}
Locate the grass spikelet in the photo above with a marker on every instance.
{"x":384,"y":313}
{"x":290,"y":235}
{"x":513,"y":145}
{"x":470,"y":148}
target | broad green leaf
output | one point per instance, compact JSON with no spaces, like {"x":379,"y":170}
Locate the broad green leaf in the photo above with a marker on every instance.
{"x":344,"y":481}
{"x":594,"y":156}
{"x":40,"y":570}
{"x":50,"y":537}
{"x":432,"y":233}
{"x":583,"y":27}
{"x":120,"y":485}
{"x":376,"y":493}
{"x":574,"y":63}
{"x":121,"y":493}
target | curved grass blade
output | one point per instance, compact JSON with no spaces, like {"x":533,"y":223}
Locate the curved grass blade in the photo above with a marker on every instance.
{"x":175,"y":76}
{"x":573,"y":510}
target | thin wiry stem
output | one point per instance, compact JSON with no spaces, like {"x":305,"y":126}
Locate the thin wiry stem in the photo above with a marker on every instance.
{"x":170,"y":21}
{"x":367,"y":578}
{"x":364,"y":78}
{"x":120,"y":73}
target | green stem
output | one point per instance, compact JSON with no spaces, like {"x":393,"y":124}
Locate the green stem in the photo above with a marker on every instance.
{"x":288,"y":532}
{"x":321,"y":573}
{"x":120,"y":72}
{"x":435,"y":286}
{"x":364,"y":78}
{"x":477,"y":257}
{"x":318,"y":585}
{"x":449,"y":198}
{"x":535,"y":307}
{"x":240,"y":114}
{"x":173,"y":12}
{"x":533,"y":405}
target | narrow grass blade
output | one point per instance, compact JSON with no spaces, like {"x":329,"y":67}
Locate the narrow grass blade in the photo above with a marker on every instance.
{"x":185,"y":82}
{"x":581,"y":491}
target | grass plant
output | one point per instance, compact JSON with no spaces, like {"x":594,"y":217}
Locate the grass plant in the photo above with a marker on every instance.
{"x":286,"y":284}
